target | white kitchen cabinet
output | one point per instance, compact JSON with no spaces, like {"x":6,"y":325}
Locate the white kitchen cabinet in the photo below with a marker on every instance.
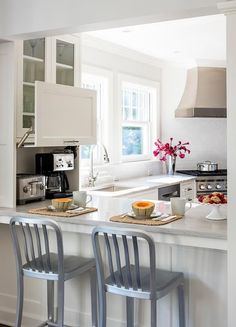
{"x":188,"y":189}
{"x":64,"y":115}
{"x":52,"y":59}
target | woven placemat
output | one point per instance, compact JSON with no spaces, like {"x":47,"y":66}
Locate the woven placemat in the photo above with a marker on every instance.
{"x":46,"y":212}
{"x":149,"y":222}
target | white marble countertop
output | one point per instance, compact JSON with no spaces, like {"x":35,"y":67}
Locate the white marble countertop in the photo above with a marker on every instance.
{"x":141,"y":184}
{"x":193,"y":230}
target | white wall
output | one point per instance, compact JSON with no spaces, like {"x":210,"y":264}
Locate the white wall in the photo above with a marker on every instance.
{"x":231,"y":85}
{"x":27,"y":16}
{"x":206,"y":135}
{"x":7,"y":125}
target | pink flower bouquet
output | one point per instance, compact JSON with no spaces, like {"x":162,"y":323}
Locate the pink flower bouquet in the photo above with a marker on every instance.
{"x":168,"y":149}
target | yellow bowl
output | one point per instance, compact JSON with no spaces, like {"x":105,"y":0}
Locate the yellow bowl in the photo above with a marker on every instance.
{"x":61,"y":204}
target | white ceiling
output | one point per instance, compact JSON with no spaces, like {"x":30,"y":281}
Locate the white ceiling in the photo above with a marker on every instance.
{"x":201,"y":38}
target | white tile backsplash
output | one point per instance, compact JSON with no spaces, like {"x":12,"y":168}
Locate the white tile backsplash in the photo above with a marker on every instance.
{"x":207,"y":136}
{"x":113,"y":172}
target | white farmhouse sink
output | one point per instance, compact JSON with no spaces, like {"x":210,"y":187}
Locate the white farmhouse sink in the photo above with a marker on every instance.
{"x":115,"y":190}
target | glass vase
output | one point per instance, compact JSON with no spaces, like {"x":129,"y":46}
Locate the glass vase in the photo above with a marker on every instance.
{"x":170,"y":165}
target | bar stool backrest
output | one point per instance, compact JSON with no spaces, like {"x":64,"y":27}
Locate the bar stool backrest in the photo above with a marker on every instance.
{"x":122,"y":250}
{"x":32,"y":243}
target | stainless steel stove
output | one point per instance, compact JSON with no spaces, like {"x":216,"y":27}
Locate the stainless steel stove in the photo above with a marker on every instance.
{"x":208,"y":182}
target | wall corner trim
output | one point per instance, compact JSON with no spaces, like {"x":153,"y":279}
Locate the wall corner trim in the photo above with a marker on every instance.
{"x":227,"y":7}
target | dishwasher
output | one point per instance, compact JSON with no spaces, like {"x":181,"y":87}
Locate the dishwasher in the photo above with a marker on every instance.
{"x":167,"y":192}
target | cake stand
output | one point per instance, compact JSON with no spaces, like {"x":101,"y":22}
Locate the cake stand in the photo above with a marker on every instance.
{"x":216,"y":213}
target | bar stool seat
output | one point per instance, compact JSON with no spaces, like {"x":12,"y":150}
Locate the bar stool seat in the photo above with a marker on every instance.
{"x":165,"y":281}
{"x":39,"y":252}
{"x":73,"y":266}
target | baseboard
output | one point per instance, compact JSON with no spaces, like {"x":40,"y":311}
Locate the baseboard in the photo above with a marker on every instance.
{"x":72,"y":318}
{"x":34,"y":314}
{"x":8,"y":318}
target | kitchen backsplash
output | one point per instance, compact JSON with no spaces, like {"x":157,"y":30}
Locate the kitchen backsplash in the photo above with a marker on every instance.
{"x":207,"y":136}
{"x":114,"y":172}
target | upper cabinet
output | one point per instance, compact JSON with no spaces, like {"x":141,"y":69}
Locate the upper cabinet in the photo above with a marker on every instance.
{"x":54,"y":60}
{"x":64,"y":115}
{"x":31,"y":67}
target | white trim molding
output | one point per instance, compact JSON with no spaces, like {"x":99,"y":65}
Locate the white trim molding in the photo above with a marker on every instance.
{"x":227,"y":7}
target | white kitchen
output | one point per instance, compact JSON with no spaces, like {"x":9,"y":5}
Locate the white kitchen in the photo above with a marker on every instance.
{"x":130,"y":91}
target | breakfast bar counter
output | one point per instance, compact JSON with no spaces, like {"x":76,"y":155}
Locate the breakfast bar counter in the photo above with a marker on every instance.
{"x":193,"y":230}
{"x":193,"y":245}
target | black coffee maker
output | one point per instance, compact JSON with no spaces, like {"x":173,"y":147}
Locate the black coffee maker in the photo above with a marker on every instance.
{"x":54,"y":167}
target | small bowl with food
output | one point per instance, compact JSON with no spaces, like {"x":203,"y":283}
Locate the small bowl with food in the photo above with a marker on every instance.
{"x":142,"y":209}
{"x":61,"y":204}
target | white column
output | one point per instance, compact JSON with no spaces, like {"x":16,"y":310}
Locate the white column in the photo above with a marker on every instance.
{"x":7,"y":125}
{"x":229,"y":8}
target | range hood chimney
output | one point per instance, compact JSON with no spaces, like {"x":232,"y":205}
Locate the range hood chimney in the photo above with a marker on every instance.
{"x":204,"y":94}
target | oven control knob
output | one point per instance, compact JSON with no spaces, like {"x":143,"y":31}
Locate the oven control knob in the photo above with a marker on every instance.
{"x":209,"y":187}
{"x":218,"y":186}
{"x":202,"y":187}
{"x":25,"y":189}
{"x":42,"y":187}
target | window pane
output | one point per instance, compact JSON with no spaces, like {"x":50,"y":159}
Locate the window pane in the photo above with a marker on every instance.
{"x":135,"y":104}
{"x":100,"y":85}
{"x":85,"y":151}
{"x":132,"y":140}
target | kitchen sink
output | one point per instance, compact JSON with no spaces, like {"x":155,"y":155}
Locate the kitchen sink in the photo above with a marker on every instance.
{"x":113,"y":188}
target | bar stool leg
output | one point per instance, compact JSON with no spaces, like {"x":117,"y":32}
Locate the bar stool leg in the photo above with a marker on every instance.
{"x":180,"y":290}
{"x":153,"y":313}
{"x":130,"y":311}
{"x":93,"y":287}
{"x":60,"y":302}
{"x":102,"y":306}
{"x":20,"y":298}
{"x":50,"y":300}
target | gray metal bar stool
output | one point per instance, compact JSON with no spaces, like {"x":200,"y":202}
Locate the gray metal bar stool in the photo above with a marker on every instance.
{"x":34,"y":258}
{"x":128,"y":278}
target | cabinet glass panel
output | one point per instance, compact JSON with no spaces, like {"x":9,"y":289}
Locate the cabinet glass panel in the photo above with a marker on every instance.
{"x":28,"y":121}
{"x":35,"y":48}
{"x":64,"y":63}
{"x":33,"y":70}
{"x":28,"y":99}
{"x":65,"y":76}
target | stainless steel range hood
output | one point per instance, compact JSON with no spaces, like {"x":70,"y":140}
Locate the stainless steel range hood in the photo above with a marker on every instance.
{"x":204,"y":94}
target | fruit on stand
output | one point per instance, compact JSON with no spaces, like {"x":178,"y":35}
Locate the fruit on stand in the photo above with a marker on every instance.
{"x":213,"y":198}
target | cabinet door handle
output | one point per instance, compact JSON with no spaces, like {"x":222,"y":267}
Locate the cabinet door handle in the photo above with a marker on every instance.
{"x":189,"y":189}
{"x":71,"y":141}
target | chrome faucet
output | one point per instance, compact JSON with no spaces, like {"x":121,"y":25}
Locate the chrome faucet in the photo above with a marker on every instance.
{"x":92,"y":176}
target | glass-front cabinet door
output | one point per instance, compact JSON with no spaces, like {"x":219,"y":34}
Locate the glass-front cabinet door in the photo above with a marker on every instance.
{"x":31,"y":67}
{"x":65,"y":53}
{"x":67,"y":59}
{"x":33,"y":70}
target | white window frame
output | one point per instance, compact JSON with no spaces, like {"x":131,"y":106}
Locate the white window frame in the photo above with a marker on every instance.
{"x":154,"y":121}
{"x":105,"y":114}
